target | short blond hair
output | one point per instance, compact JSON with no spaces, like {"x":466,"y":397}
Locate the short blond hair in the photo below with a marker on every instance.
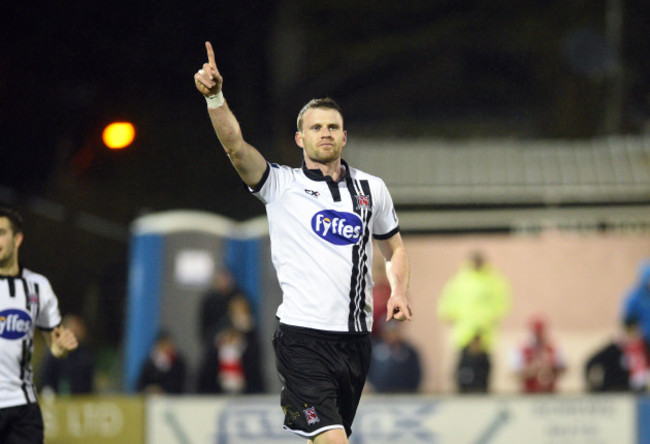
{"x":325,"y":102}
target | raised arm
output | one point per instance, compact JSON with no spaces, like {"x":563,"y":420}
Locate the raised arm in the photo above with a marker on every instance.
{"x":397,"y":272}
{"x":248,"y":162}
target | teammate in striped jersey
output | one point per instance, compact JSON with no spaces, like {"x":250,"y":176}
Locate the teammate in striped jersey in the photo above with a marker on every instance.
{"x":322,"y":219}
{"x":26,"y":302}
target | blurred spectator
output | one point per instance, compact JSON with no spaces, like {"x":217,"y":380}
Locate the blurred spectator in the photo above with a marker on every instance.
{"x":213,"y":314}
{"x":636,"y":304}
{"x":232,"y":360}
{"x":621,"y":365}
{"x":164,"y":371}
{"x":395,"y":364}
{"x":75,"y":373}
{"x":475,"y":300}
{"x":474,"y":366}
{"x":538,"y":362}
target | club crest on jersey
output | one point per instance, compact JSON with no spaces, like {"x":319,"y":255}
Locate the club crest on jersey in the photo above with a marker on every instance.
{"x":311,"y":416}
{"x":336,"y":227}
{"x":363,"y":201}
{"x":14,"y":324}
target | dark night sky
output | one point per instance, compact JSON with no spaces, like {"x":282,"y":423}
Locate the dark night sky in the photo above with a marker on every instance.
{"x":417,"y":68}
{"x":72,"y":71}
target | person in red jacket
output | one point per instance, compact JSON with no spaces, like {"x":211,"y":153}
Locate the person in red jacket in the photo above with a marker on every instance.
{"x":538,"y":362}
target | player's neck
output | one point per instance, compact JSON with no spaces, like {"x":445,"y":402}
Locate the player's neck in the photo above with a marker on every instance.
{"x":10,"y":267}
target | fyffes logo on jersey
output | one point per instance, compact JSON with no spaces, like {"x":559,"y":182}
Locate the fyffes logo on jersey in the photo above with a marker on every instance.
{"x":14,"y":324}
{"x":337,"y":228}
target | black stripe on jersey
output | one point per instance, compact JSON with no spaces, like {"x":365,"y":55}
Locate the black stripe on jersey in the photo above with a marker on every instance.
{"x":26,"y":290}
{"x":27,"y":344}
{"x":265,"y":176}
{"x":388,"y":235}
{"x":24,"y":363}
{"x":12,"y":287}
{"x":366,"y":211}
{"x":37,"y":293}
{"x":354,"y":276}
{"x":357,"y":316}
{"x":361,"y":293}
{"x":334,"y":189}
{"x":333,"y":186}
{"x":352,"y":325}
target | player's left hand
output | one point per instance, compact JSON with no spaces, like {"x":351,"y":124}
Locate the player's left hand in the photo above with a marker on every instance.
{"x":63,"y":341}
{"x":208,"y":80}
{"x":398,"y":308}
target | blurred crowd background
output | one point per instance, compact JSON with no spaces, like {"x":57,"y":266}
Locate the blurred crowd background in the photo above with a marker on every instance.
{"x":430,"y":73}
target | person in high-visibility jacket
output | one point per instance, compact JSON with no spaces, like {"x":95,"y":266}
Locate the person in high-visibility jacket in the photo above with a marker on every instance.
{"x":474,"y":301}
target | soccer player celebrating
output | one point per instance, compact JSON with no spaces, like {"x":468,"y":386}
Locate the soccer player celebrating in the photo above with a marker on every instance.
{"x":26,"y":302}
{"x":321,"y":219}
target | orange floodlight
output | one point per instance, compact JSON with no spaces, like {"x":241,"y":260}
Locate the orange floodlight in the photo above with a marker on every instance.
{"x":118,"y":135}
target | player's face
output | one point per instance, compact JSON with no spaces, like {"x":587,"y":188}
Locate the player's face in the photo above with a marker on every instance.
{"x":322,"y":136}
{"x":9,"y":243}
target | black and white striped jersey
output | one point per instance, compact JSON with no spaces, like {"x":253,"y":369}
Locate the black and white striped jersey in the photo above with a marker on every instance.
{"x":321,"y":243}
{"x":26,"y":302}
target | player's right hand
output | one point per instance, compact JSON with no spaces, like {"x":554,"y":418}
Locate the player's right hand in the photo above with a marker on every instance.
{"x":207,"y":79}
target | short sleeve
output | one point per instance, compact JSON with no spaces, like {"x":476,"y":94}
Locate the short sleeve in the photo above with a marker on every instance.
{"x":276,"y":179}
{"x":386,"y":223}
{"x":49,"y":315}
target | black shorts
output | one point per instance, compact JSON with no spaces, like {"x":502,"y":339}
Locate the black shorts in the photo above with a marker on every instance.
{"x":22,"y":424}
{"x":323,"y":375}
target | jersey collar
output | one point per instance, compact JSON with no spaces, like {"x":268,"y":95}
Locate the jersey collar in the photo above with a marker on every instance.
{"x":317,"y":174}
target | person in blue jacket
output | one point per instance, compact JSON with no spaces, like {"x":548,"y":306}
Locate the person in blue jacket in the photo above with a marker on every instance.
{"x":636,"y":304}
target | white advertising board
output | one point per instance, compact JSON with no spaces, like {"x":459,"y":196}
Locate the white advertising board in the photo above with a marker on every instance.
{"x":404,"y":419}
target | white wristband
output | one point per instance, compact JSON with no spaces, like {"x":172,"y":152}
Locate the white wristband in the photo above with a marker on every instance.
{"x":215,"y":101}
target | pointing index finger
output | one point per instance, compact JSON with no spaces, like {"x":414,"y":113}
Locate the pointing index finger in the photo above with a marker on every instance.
{"x":208,"y":48}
